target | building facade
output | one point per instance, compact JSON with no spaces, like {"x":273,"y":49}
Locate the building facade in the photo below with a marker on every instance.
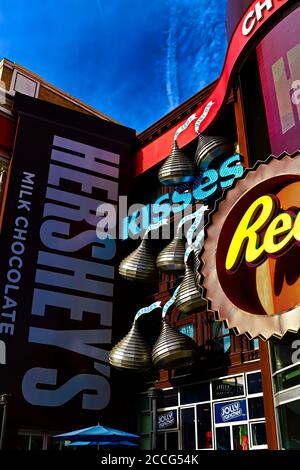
{"x":239,"y":388}
{"x":242,"y":392}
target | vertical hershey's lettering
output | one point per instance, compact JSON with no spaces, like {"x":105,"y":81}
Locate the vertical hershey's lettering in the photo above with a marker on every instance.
{"x":71,"y":283}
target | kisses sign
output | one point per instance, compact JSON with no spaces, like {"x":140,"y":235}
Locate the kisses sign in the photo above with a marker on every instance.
{"x":252,"y":252}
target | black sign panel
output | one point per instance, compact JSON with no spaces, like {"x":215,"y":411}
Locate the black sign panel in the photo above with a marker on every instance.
{"x":57,"y":278}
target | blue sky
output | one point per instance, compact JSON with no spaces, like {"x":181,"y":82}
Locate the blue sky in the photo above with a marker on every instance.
{"x":135,"y":60}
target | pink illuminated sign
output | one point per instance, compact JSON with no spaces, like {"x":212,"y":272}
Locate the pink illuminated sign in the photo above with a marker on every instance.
{"x":279,"y":63}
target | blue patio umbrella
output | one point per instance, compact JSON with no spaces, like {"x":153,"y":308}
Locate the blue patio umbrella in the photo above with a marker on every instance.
{"x":97,"y":434}
{"x":115,"y":443}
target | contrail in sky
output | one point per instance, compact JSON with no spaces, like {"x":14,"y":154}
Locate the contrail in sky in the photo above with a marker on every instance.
{"x":171,"y":60}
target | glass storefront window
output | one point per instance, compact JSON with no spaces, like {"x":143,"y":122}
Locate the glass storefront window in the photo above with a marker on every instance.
{"x":195,"y":393}
{"x":254,"y":383}
{"x":229,"y":418}
{"x":289,"y":416}
{"x":226,"y":343}
{"x":167,"y":398}
{"x":223,"y":441}
{"x":259,"y":434}
{"x":188,"y":428}
{"x":226,"y":339}
{"x":254,"y":344}
{"x":204,"y":429}
{"x":228,"y":387}
{"x":187,"y":330}
{"x":282,"y":351}
{"x":287,"y":379}
{"x":240,"y":437}
{"x":256,"y":407}
{"x":288,"y":412}
{"x":172,"y":441}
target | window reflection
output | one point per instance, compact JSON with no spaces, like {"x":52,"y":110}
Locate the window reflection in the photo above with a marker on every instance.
{"x":228,"y":387}
{"x":282,"y":351}
{"x":167,"y":398}
{"x":240,"y":437}
{"x":187,"y":330}
{"x":259,"y":434}
{"x":289,"y":416}
{"x":254,"y":383}
{"x":195,"y":393}
{"x":223,"y":438}
{"x":287,"y":379}
{"x":220,"y":336}
{"x":204,"y":426}
{"x":256,"y":407}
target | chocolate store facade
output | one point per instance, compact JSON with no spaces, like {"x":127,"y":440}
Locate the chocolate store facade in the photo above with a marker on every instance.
{"x":232,"y":148}
{"x":197,"y":333}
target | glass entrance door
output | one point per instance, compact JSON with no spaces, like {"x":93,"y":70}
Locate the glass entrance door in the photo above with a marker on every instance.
{"x":188,"y":428}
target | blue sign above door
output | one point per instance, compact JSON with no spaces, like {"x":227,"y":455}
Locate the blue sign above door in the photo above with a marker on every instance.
{"x":230,"y":411}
